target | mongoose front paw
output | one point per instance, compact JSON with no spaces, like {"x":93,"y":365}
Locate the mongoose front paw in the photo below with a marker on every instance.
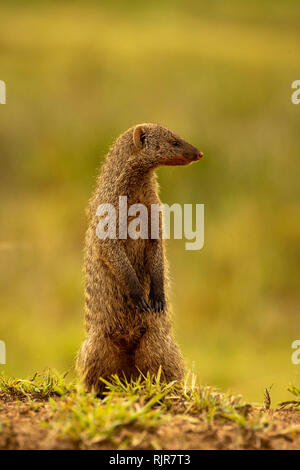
{"x":159,"y":306}
{"x":140,"y":302}
{"x":157,"y":302}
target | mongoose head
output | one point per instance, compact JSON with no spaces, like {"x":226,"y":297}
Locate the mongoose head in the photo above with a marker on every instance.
{"x":162,"y":146}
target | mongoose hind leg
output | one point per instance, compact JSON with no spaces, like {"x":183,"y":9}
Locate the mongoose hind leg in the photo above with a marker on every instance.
{"x":159,"y":349}
{"x":98,"y":357}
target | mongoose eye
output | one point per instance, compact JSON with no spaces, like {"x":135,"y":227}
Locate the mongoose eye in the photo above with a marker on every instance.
{"x":175,"y":143}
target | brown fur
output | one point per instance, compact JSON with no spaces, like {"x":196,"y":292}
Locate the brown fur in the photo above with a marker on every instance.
{"x":125,"y":277}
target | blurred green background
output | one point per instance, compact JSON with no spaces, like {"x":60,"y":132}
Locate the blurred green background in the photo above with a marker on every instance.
{"x":217,"y":73}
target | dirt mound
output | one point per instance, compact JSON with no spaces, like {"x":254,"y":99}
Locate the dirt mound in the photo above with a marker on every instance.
{"x":28,"y":425}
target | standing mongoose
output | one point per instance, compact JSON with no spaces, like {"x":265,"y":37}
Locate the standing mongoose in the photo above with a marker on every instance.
{"x":127,"y":314}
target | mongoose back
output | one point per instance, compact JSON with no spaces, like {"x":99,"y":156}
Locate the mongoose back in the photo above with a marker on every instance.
{"x":128,"y":328}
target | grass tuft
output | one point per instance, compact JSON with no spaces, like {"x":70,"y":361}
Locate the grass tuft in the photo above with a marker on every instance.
{"x":133,"y":407}
{"x":41,"y":386}
{"x":293,"y":404}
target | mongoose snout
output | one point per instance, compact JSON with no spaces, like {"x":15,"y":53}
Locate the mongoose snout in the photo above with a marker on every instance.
{"x":192,"y":155}
{"x":128,"y":327}
{"x":200,"y":155}
{"x":186,"y":158}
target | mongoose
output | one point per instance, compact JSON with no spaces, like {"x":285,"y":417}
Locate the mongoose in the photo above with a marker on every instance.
{"x":127,"y":314}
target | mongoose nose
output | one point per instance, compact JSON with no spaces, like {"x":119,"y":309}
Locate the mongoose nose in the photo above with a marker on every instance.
{"x":200,"y":155}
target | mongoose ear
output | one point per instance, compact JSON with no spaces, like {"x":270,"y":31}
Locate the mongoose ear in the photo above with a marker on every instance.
{"x":139,"y":136}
